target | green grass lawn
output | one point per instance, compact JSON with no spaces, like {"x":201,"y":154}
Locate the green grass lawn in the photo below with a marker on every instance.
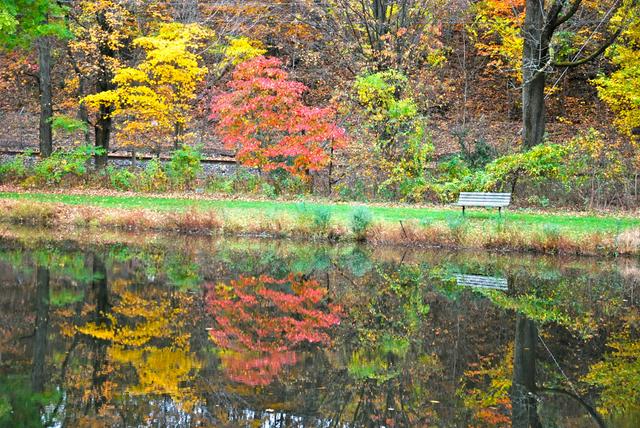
{"x":574,"y":223}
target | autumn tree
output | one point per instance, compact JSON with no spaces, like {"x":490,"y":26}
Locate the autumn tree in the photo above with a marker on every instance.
{"x":23,"y":24}
{"x":394,"y":146}
{"x":400,"y":34}
{"x":102,"y":33}
{"x":153,"y":99}
{"x":621,"y":89}
{"x":497,"y":34}
{"x":554,"y":38}
{"x":263,"y":117}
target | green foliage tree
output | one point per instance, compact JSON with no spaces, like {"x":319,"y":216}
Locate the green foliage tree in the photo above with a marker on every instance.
{"x":402,"y":146}
{"x":25,"y":23}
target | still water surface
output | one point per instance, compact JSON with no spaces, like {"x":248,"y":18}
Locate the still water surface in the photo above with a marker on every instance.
{"x":254,"y":333}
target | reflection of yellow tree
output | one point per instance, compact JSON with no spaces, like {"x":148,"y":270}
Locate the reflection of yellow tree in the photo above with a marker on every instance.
{"x":149,"y":334}
{"x":160,"y":370}
{"x":618,"y":374}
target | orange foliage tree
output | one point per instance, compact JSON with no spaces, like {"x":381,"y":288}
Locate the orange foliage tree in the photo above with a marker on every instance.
{"x":264,"y":118}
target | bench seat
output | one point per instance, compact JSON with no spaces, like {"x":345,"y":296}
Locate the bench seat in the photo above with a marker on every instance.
{"x":480,"y":199}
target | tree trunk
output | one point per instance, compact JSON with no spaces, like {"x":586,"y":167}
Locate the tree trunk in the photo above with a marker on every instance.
{"x":103,"y":135}
{"x":83,"y":113}
{"x":103,"y":122}
{"x":46,"y":107}
{"x":178,"y":136}
{"x":535,"y":56}
{"x":100,"y":288}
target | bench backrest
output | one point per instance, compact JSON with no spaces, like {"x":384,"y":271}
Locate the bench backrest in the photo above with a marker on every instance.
{"x":478,"y":281}
{"x":478,"y":199}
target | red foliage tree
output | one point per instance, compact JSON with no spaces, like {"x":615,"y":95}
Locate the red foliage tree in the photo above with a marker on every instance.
{"x":260,"y":321}
{"x":264,"y":119}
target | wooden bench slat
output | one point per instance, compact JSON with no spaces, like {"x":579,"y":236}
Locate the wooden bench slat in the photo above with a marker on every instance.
{"x":485,"y":199}
{"x":483,"y":204}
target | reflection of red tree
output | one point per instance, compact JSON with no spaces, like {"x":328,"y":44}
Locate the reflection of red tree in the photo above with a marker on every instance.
{"x":260,"y":320}
{"x":255,"y":369}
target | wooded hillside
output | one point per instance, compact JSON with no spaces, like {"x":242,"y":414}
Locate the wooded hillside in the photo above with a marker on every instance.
{"x":398,"y":99}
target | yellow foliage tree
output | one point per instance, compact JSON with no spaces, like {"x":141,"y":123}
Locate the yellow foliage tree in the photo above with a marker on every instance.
{"x":240,"y":49}
{"x":497,"y":34}
{"x":153,"y":100}
{"x":621,"y":89}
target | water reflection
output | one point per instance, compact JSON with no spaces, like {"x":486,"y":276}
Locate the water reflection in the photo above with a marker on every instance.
{"x":254,"y":333}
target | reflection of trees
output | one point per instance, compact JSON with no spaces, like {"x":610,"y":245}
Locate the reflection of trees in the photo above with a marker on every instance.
{"x":524,"y":402}
{"x":23,"y":397}
{"x":388,"y":365}
{"x":401,"y":343}
{"x":618,"y":374}
{"x":516,"y":385}
{"x":261,"y":321}
{"x":145,"y":333}
{"x":41,"y":329}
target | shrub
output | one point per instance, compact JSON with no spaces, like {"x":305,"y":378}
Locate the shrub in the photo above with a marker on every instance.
{"x":221,"y":185}
{"x":65,"y":163}
{"x":541,"y":164}
{"x":268,"y":190}
{"x":549,"y":239}
{"x":291,"y":184}
{"x":16,"y":168}
{"x":322,"y":218}
{"x":458,"y":226}
{"x":628,"y":241}
{"x":121,"y":179}
{"x":319,"y":217}
{"x":153,"y":178}
{"x":360,"y":221}
{"x":184,"y":166}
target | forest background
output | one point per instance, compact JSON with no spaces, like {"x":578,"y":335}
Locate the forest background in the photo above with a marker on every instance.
{"x":395,"y":100}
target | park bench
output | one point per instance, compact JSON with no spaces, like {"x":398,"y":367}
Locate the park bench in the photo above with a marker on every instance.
{"x":479,"y":281}
{"x":478,"y":199}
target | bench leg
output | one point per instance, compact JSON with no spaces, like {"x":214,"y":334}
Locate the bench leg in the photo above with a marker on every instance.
{"x":463,"y":207}
{"x":500,"y":211}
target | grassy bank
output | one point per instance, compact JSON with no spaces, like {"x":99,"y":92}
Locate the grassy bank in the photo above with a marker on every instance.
{"x":377,"y":224}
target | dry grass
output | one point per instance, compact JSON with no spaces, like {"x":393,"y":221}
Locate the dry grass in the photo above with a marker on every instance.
{"x":128,"y":219}
{"x":628,"y":242}
{"x":456,"y":235}
{"x":192,"y":221}
{"x":19,"y":212}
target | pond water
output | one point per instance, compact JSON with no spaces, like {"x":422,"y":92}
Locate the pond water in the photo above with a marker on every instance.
{"x":175,"y":331}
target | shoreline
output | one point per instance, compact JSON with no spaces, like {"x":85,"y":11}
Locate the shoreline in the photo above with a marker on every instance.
{"x":455,"y":233}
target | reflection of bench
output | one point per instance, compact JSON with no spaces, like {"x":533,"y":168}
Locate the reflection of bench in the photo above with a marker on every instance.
{"x":478,"y":281}
{"x":490,"y":200}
